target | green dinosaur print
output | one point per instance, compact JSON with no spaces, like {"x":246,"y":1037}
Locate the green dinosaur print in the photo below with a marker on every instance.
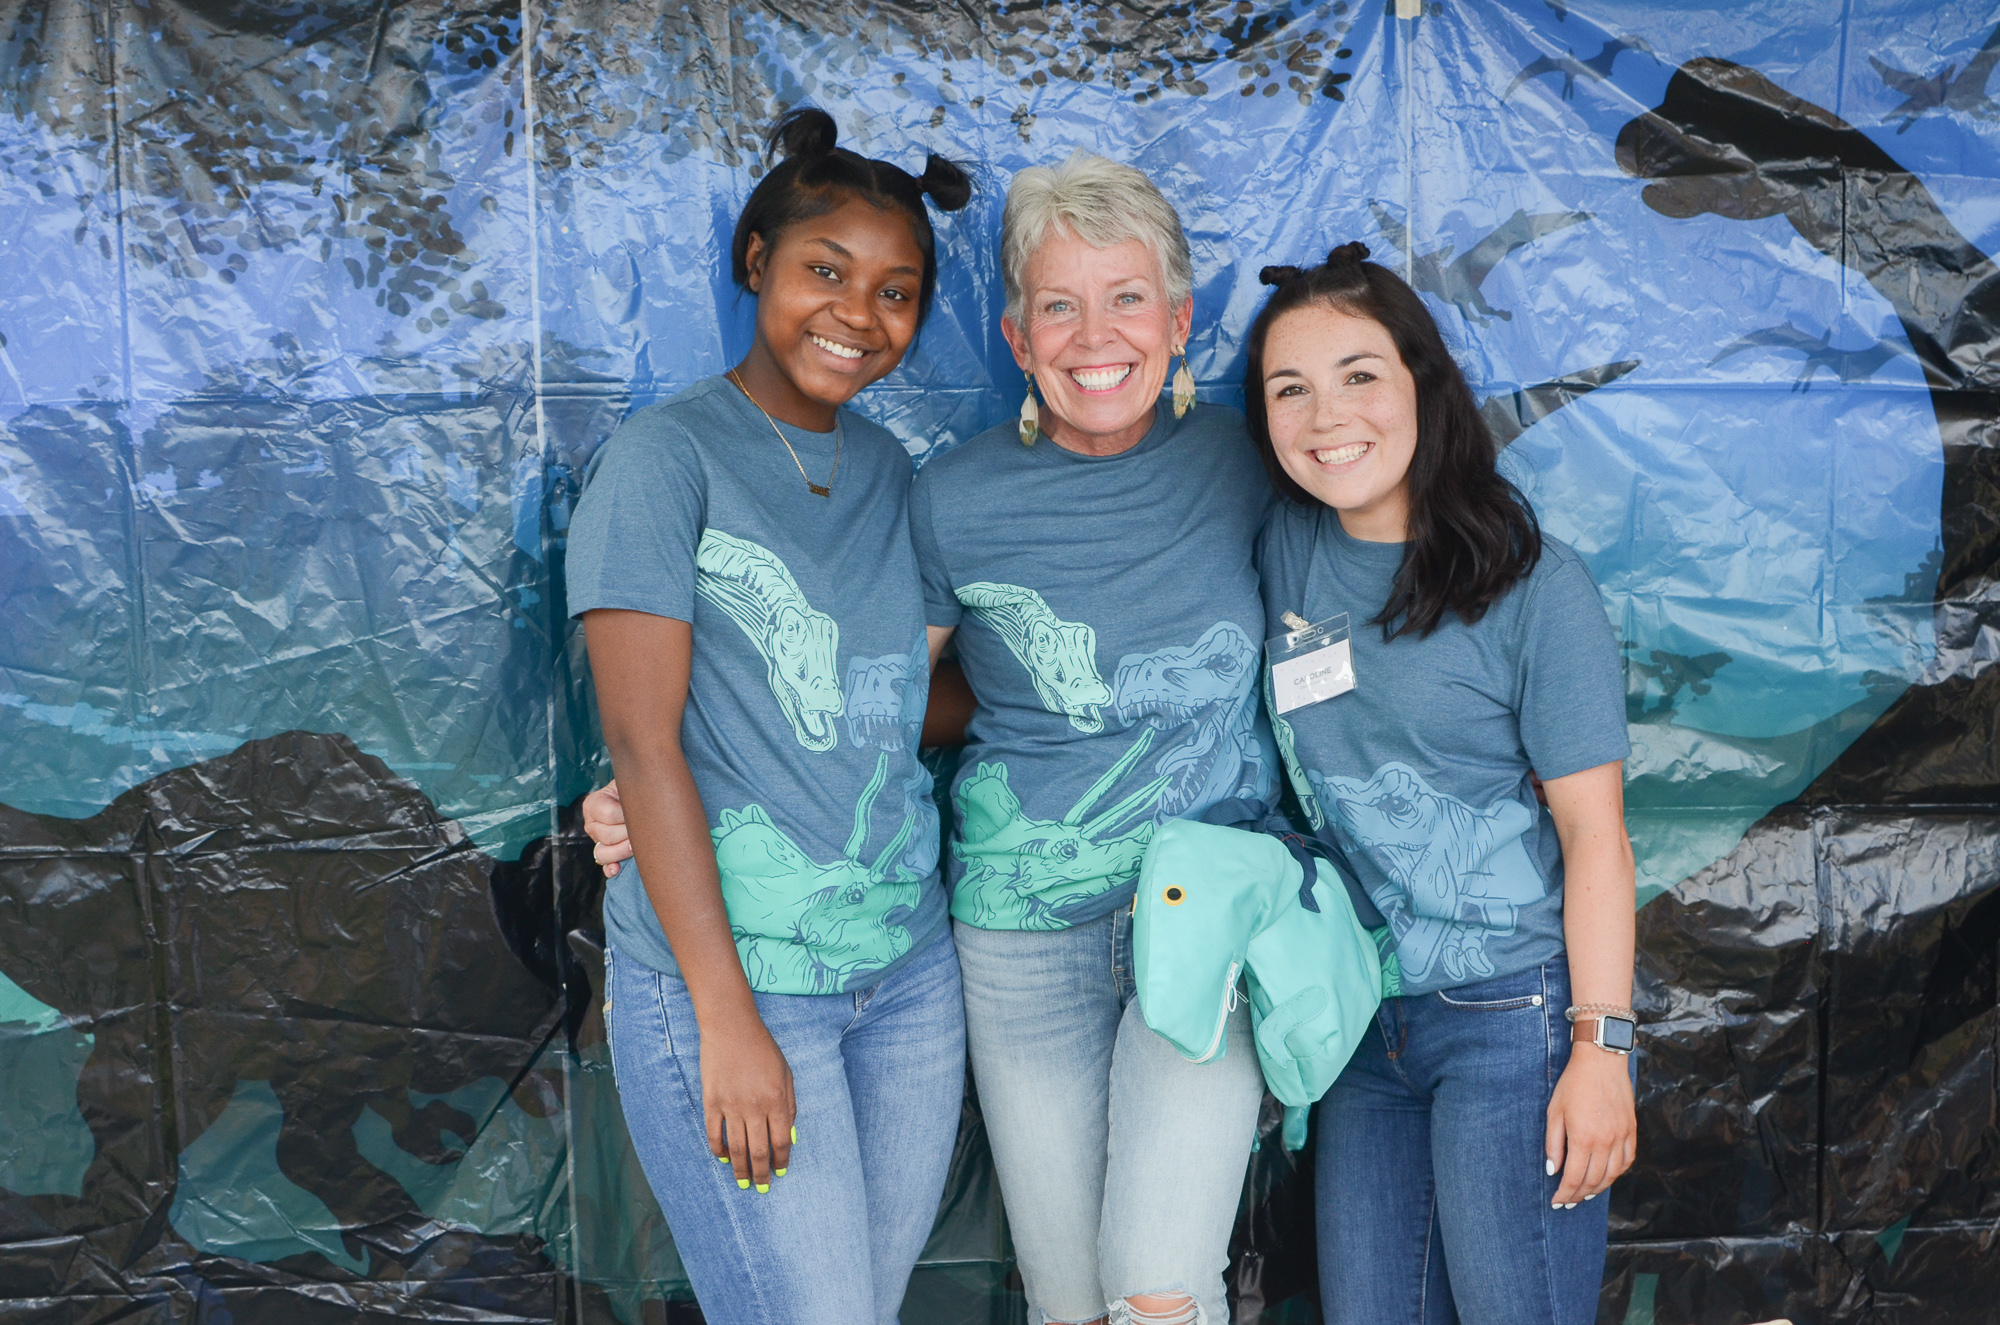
{"x":799,"y":645}
{"x":1288,"y":751}
{"x":806,"y":928}
{"x":1020,"y":872}
{"x":1061,"y":656}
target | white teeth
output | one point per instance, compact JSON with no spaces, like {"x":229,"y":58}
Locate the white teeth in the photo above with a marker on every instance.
{"x":1100,"y":379}
{"x":1340,"y":455}
{"x":845,"y":352}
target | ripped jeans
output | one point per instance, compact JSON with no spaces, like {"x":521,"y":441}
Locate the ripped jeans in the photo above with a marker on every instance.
{"x":1120,"y":1162}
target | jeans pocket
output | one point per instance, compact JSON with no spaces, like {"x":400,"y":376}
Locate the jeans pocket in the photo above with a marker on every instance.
{"x":1504,"y":993}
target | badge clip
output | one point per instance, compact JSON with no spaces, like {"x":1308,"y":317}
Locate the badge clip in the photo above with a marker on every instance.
{"x":1315,"y":662}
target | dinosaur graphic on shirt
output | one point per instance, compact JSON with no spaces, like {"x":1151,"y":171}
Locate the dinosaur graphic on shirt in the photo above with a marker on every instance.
{"x":752,"y":586}
{"x":1061,"y":656}
{"x":1458,"y":877}
{"x":1288,"y":753}
{"x":1204,"y":689}
{"x":1021,"y":872}
{"x":885,"y":700}
{"x":806,"y":928}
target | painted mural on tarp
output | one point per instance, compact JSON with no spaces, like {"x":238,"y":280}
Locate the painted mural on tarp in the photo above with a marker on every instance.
{"x":312,"y":314}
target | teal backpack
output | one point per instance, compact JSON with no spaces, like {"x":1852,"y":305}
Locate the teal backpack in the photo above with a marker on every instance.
{"x":1218,"y":903}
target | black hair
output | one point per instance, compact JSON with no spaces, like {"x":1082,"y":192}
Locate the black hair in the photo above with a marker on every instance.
{"x":817,"y":176}
{"x":1472,"y":535}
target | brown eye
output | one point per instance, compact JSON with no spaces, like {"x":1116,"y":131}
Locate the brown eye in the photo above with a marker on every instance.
{"x":1174,"y":896}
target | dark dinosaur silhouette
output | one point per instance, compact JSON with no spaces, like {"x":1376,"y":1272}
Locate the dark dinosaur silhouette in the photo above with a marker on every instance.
{"x":1675,"y":672}
{"x":291,"y":913}
{"x":1962,"y":90}
{"x":1458,"y":280}
{"x":1727,"y":140}
{"x":1597,"y":68}
{"x":1848,"y":365}
{"x":1508,"y":416}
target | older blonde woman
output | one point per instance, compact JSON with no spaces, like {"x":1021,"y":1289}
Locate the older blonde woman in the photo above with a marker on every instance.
{"x":1095,"y":564}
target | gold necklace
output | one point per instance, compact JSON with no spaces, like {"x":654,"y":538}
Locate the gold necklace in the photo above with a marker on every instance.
{"x":812,"y":487}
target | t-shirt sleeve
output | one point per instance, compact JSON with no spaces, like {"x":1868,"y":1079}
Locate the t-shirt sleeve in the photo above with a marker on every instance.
{"x":633,"y":537}
{"x":1572,"y":682}
{"x":941,"y":605}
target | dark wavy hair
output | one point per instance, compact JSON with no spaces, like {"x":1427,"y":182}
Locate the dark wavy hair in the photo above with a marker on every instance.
{"x":1472,"y":534}
{"x":817,"y":175}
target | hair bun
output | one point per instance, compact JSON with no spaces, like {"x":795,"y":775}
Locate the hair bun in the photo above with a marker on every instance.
{"x":1279,"y":275}
{"x":1351,"y":254}
{"x":807,"y":131}
{"x":948,"y":186}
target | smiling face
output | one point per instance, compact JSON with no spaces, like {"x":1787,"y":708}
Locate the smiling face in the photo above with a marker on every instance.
{"x":1099,"y":339}
{"x":1342,"y":413}
{"x":836,"y":309}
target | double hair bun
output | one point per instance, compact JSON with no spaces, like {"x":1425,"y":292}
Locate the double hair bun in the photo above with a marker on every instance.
{"x":1351,"y":254}
{"x":810,"y":132}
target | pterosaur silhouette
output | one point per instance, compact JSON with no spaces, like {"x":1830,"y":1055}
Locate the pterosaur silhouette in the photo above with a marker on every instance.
{"x":1848,"y":365}
{"x":1597,"y":68}
{"x":1956,"y":89}
{"x":1458,"y":280}
{"x":1508,"y":416}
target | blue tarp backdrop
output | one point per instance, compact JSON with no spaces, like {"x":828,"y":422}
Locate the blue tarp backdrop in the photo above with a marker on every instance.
{"x":311,"y":314}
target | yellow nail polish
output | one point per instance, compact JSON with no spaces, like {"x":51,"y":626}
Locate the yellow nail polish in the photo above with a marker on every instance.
{"x":777,"y":1173}
{"x":763,"y":1189}
{"x":795,"y":1136}
{"x":743,"y":1183}
{"x":722,"y":1159}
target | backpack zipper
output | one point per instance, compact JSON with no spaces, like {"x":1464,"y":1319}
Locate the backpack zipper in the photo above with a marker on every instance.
{"x":1228,"y":1006}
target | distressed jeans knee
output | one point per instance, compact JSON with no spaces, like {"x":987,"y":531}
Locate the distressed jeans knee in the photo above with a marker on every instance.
{"x":1172,"y":1307}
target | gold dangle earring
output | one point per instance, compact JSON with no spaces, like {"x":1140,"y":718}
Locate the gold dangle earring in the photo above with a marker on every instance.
{"x":1031,"y":415}
{"x":1183,"y":387}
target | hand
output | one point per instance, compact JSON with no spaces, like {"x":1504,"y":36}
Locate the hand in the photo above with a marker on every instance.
{"x":1593,"y":1131}
{"x":604,"y":821}
{"x":746,"y":1098}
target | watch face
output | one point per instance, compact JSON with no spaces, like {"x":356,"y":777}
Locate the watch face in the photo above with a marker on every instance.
{"x":1616,"y":1033}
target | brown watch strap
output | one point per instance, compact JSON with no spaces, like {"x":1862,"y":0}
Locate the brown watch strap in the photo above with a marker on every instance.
{"x":1583,"y":1030}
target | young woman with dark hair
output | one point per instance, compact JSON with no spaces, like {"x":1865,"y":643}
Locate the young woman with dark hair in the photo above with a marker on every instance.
{"x":782,"y":993}
{"x":1491,"y":1103}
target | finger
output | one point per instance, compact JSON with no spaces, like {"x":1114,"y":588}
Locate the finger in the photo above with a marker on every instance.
{"x":718,"y":1144}
{"x":760,"y":1154}
{"x":739,"y":1149}
{"x":1597,"y":1173}
{"x":1623,"y":1157}
{"x":1576,"y":1169}
{"x":611,"y":871}
{"x":784,"y":1127}
{"x":1554,"y":1143}
{"x":610,"y":853}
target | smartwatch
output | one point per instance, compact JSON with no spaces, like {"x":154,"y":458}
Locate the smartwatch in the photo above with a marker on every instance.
{"x":1612,"y":1034}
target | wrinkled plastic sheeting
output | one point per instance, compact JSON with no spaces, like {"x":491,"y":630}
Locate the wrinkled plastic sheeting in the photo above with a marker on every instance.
{"x":314,"y":314}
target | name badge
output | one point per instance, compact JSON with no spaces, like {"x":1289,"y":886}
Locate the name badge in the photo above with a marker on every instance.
{"x":1313,"y":663}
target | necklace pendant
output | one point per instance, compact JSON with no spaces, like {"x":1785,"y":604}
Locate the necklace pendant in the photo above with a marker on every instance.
{"x":817,"y":491}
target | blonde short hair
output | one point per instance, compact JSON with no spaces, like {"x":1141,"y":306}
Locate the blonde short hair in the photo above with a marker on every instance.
{"x":1103,"y":203}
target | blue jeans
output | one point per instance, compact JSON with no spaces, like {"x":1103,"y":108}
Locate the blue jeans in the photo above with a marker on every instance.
{"x":1431,"y":1192}
{"x":878,"y":1076}
{"x":1120,"y":1162}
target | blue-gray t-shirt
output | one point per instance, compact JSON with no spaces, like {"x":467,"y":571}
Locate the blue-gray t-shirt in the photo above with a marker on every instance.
{"x":810,"y":675}
{"x":1108,"y":619}
{"x":1420,"y":773}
